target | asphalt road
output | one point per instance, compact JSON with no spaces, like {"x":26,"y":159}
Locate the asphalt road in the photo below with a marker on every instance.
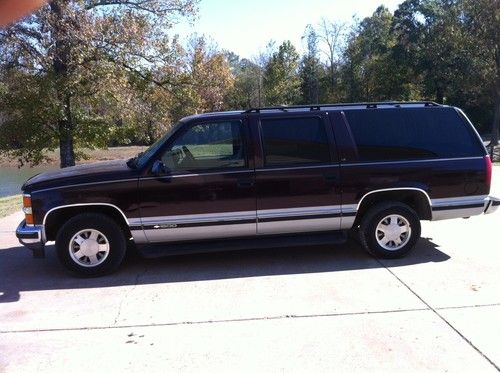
{"x":305,"y":309}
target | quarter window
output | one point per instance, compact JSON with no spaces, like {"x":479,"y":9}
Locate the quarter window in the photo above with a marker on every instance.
{"x":404,"y":134}
{"x":294,"y":141}
{"x":207,"y":146}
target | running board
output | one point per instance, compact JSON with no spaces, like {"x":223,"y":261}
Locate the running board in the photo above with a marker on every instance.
{"x":266,"y":242}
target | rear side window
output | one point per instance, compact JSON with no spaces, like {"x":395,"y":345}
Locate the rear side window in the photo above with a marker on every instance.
{"x":294,"y":141}
{"x":402,"y":134}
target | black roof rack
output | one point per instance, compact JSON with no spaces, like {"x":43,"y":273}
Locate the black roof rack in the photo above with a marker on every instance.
{"x":368,"y":105}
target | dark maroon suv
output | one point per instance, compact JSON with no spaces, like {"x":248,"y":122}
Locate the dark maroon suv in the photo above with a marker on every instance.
{"x":267,"y":177}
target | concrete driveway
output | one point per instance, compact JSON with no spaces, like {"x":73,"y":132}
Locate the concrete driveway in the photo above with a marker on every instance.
{"x":305,"y":309}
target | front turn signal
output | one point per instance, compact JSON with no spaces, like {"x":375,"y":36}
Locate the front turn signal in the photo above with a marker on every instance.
{"x":27,"y":209}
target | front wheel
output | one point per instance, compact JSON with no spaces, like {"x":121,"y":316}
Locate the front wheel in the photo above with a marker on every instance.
{"x":91,"y":245}
{"x":390,"y":230}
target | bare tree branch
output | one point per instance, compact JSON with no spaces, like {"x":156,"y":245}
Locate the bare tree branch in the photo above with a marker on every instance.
{"x":149,"y":6}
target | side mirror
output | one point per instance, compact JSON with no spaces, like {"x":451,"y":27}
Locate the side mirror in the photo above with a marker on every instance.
{"x":159,"y":169}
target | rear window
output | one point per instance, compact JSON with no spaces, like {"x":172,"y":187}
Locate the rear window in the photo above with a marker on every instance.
{"x":404,"y":134}
{"x":293,"y":141}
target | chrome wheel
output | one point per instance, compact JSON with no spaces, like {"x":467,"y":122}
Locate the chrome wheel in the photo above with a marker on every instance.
{"x":393,"y":232}
{"x":89,"y":248}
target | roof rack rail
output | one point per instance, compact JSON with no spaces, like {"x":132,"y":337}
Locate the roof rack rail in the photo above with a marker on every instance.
{"x":368,"y":105}
{"x":258,"y":109}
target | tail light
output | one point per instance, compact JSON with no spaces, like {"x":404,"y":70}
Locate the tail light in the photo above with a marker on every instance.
{"x":487,"y":159}
{"x":27,"y":209}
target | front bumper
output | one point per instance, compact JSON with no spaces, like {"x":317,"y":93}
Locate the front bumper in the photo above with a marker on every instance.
{"x":32,"y":237}
{"x":491,"y":205}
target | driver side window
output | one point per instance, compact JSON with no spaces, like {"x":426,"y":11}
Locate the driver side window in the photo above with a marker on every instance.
{"x":207,"y":146}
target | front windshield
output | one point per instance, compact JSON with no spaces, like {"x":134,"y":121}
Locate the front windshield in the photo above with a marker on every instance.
{"x":142,"y":158}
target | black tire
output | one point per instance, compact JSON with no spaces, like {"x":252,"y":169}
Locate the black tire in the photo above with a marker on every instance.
{"x":371,"y":238}
{"x":108,"y":234}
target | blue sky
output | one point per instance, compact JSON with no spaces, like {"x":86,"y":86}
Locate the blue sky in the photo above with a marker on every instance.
{"x":245,"y":27}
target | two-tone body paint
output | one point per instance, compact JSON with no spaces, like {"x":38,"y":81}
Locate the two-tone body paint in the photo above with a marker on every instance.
{"x":104,"y":183}
{"x":450,"y":185}
{"x":255,"y":199}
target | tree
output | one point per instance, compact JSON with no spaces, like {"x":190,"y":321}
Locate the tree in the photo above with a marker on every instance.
{"x":431,"y":34}
{"x":369,"y":71}
{"x":80,"y":53}
{"x":210,"y":74}
{"x":310,"y":68}
{"x":143,"y":113}
{"x":281,"y":79}
{"x":330,"y":37}
{"x":482,"y":20}
{"x":246,"y":92}
{"x":261,"y":61}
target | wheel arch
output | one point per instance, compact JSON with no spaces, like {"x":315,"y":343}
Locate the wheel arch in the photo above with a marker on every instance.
{"x":56,"y":216}
{"x":418,"y":199}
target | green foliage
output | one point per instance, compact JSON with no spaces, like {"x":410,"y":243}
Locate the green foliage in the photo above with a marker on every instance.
{"x":311,"y":70}
{"x":78,"y":64}
{"x":370,"y":73}
{"x":247,"y":87}
{"x":430,"y":35}
{"x":29,"y":113}
{"x":93,"y":73}
{"x":481,"y":18}
{"x":331,"y":44}
{"x":442,"y":46}
{"x":281,"y":81}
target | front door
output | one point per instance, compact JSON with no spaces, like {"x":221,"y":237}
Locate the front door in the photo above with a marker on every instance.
{"x":209,"y":188}
{"x":298,"y":175}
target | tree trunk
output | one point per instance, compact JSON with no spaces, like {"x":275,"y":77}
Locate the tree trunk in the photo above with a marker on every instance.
{"x":496,"y":118}
{"x":66,"y":150}
{"x":352,"y":97}
{"x":332,"y":77}
{"x":440,"y":95}
{"x":496,"y":122}
{"x":315,"y":95}
{"x":260,"y":88}
{"x":60,"y":65}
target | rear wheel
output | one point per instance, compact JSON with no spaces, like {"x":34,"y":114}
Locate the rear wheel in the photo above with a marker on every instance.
{"x":91,"y":245}
{"x":390,"y":230}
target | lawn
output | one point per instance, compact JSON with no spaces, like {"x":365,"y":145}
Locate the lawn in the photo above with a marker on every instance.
{"x":93,"y":155}
{"x":9,"y":205}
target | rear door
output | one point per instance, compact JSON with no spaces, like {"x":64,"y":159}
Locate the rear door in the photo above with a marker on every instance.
{"x":297,"y":174}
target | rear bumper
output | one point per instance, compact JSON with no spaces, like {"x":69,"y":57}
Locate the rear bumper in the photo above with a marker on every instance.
{"x":32,"y":237}
{"x":491,"y":205}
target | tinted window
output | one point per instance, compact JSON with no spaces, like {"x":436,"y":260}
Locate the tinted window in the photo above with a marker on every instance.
{"x":394,"y":134}
{"x":207,"y":146}
{"x":294,"y":141}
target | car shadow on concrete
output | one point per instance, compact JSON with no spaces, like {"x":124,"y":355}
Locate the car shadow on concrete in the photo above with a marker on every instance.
{"x":20,"y":272}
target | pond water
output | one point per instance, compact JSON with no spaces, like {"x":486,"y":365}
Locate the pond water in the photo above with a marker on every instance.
{"x":12,"y":178}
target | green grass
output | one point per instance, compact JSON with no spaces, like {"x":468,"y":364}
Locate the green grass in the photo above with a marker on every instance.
{"x":9,"y":205}
{"x":211,"y":150}
{"x":94,"y":155}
